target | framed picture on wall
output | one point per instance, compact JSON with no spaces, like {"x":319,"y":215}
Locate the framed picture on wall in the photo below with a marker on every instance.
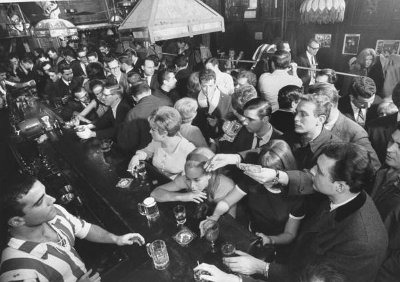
{"x":387,"y":47}
{"x":350,"y":44}
{"x":324,"y":39}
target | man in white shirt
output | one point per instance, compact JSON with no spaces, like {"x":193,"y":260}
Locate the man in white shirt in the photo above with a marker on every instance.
{"x":224,"y":81}
{"x":269,"y":84}
{"x":149,"y":74}
{"x":83,"y":60}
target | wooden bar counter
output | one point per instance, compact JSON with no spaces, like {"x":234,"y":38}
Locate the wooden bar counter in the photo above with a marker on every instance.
{"x":93,"y":174}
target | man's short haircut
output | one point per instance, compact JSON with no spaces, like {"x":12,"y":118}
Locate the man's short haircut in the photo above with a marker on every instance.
{"x":153,"y":58}
{"x":44,"y":64}
{"x":289,"y":94}
{"x":27,"y":60}
{"x":251,"y":77}
{"x":327,"y":89}
{"x":214,"y":61}
{"x":181,"y":61}
{"x":311,"y":40}
{"x":241,"y":96}
{"x":95,"y":70}
{"x":96,"y":82}
{"x":130,"y":52}
{"x":115,"y":89}
{"x":92,"y":54}
{"x":262,"y":106}
{"x":14,"y":189}
{"x":353,"y":165}
{"x":363,"y":86}
{"x":163,"y":75}
{"x":281,"y":45}
{"x":322,"y":104}
{"x":52,"y":49}
{"x":281,"y":59}
{"x":321,"y":272}
{"x":104,"y":44}
{"x":64,"y":67}
{"x":13,"y":55}
{"x":125,"y":60}
{"x":52,"y":69}
{"x":396,"y":95}
{"x":111,"y":59}
{"x":69,"y":52}
{"x":330,"y":73}
{"x":207,"y":75}
{"x":78,"y":89}
{"x":81,"y":50}
{"x":134,"y":77}
{"x":139,"y":89}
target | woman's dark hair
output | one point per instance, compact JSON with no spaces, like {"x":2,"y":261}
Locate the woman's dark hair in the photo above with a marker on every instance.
{"x":193,"y":85}
{"x":95,"y":71}
{"x":321,"y":272}
{"x":330,"y":73}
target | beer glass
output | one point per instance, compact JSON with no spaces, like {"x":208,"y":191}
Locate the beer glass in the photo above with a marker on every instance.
{"x":149,"y":208}
{"x":157,"y":250}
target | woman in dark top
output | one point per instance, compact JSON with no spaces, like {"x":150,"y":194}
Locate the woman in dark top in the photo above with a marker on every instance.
{"x":273,"y":216}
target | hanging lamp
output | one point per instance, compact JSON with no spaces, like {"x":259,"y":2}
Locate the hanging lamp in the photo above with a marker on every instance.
{"x":55,"y":28}
{"x":322,"y":11}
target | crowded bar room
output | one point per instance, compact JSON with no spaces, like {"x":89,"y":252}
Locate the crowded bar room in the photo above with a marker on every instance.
{"x":200,"y":140}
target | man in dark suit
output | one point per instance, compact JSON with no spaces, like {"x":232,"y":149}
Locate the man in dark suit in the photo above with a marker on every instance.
{"x":361,"y":103}
{"x":182,"y":74}
{"x":150,"y":74}
{"x":75,"y":64}
{"x":386,"y":195}
{"x":256,"y":116}
{"x":346,"y":232}
{"x":135,"y":132}
{"x":78,"y":104}
{"x":109,"y":124}
{"x":340,"y":125}
{"x":117,"y":75}
{"x":308,"y":59}
{"x":167,"y":90}
{"x":380,"y":129}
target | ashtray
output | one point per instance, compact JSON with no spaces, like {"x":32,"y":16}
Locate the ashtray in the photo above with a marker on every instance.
{"x":184,"y":237}
{"x":124,"y":183}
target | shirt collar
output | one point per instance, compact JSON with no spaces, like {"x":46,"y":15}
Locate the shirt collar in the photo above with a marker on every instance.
{"x":322,"y":138}
{"x":114,"y":109}
{"x":36,"y":249}
{"x":66,"y":82}
{"x":335,"y":206}
{"x":335,"y":116}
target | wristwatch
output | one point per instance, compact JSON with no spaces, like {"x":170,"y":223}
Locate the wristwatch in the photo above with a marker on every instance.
{"x":276,"y":178}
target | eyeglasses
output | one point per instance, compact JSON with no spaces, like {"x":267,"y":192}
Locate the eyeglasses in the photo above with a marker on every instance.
{"x":106,"y":95}
{"x":316,"y":48}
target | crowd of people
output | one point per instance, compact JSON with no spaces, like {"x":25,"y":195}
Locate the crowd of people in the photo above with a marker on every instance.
{"x":315,"y":171}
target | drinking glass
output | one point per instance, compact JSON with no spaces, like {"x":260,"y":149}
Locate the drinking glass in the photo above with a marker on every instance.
{"x":149,"y":208}
{"x":197,"y":273}
{"x":105,"y":145}
{"x":228,"y":249}
{"x":141,"y":170}
{"x":157,"y":250}
{"x":180,"y":214}
{"x":211,"y":229}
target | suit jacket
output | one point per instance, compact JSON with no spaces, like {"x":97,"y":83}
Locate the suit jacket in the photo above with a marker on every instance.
{"x":386,"y":194}
{"x":77,"y":68}
{"x":135,"y":131}
{"x":107,"y":126}
{"x":182,"y":78}
{"x":304,"y":75}
{"x":123,"y":81}
{"x":220,"y":113}
{"x":350,"y":131}
{"x":154,"y":84}
{"x":346,"y":109}
{"x":351,"y":238}
{"x":380,"y":131}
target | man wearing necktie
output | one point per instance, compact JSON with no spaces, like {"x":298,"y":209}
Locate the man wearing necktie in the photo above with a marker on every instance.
{"x":308,"y":59}
{"x":360,"y":103}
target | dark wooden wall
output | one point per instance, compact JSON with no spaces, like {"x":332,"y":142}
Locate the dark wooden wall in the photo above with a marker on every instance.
{"x":372,"y":19}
